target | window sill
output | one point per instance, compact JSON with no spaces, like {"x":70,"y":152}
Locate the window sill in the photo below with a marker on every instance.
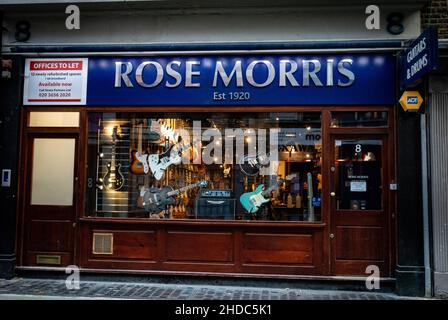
{"x":237,"y":223}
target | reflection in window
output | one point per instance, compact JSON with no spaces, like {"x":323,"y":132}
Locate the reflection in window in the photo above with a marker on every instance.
{"x":262,"y":166}
{"x":359,"y":119}
{"x":358,"y":174}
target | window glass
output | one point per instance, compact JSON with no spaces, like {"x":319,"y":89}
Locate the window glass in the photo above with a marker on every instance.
{"x":359,"y":119}
{"x":53,"y":119}
{"x":227,"y":166}
{"x":358,"y":174}
{"x":53,"y":170}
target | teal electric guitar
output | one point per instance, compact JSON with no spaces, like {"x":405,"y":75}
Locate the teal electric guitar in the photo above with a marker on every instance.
{"x":252,"y":201}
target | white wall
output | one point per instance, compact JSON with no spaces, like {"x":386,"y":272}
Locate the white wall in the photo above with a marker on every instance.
{"x":134,"y":26}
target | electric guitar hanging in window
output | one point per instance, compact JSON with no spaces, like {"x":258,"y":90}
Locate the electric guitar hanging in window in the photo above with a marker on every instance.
{"x":158,"y":163}
{"x":252,"y":201}
{"x":155,"y":200}
{"x":138,"y":158}
{"x":141,"y":161}
{"x":113,"y":179}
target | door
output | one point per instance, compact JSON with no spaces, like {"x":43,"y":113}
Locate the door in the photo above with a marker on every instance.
{"x":359,"y":232}
{"x":51,"y":173}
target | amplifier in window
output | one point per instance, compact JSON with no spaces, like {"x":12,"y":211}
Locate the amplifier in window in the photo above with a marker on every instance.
{"x":215,"y":204}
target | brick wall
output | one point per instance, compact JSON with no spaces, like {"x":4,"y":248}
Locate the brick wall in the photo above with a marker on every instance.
{"x":435,"y":13}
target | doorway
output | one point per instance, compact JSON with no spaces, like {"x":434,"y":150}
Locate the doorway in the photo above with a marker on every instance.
{"x":50,"y":176}
{"x":359,"y":204}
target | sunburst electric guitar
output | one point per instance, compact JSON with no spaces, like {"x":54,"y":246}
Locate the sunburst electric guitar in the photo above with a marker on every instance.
{"x":139,"y":159}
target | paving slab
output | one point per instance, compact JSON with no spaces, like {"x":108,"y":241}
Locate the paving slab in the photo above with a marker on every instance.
{"x":29,"y":288}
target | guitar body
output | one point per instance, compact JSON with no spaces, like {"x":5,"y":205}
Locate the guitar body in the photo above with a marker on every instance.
{"x":113,"y":179}
{"x":252,"y":201}
{"x":157,"y":169}
{"x":158,"y":163}
{"x":155,"y":200}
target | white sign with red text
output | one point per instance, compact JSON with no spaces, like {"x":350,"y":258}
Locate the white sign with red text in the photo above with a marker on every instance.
{"x":55,"y":81}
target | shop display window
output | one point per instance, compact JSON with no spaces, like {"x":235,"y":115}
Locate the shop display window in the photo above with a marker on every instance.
{"x":220,"y":166}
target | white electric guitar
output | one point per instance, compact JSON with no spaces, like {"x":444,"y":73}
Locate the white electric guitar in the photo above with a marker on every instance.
{"x":158,"y":163}
{"x":140,"y":159}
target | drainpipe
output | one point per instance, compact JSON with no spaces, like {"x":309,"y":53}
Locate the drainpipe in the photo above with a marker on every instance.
{"x":425,"y":198}
{"x":1,"y":32}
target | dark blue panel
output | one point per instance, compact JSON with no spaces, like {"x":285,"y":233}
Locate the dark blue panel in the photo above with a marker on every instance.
{"x":374,"y":81}
{"x":420,"y":58}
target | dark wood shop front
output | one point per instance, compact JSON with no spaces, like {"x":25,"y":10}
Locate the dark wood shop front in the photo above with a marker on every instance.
{"x":329,"y":210}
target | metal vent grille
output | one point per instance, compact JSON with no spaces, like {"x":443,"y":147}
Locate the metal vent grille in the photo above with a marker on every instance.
{"x":103,"y":243}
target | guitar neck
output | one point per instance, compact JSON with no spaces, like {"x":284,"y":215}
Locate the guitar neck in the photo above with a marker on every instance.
{"x":183,"y":147}
{"x":139,"y":145}
{"x":168,"y":160}
{"x":267,"y":192}
{"x":175,"y":192}
{"x":112,"y":159}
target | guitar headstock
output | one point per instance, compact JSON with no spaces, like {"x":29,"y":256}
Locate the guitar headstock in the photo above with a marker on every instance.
{"x":264,"y":159}
{"x":202,"y":183}
{"x":275,"y":183}
{"x":115,"y":132}
{"x":291,"y":176}
{"x":226,"y":170}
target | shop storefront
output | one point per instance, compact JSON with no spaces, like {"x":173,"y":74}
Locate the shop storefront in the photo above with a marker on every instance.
{"x":279,"y":164}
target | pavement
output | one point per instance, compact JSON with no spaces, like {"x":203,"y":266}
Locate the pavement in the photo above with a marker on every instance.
{"x":55,"y":289}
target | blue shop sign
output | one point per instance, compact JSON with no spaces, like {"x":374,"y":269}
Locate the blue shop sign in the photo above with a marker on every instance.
{"x":420,"y":58}
{"x":242,"y":80}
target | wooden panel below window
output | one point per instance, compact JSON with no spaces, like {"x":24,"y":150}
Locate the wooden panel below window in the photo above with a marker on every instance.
{"x":199,"y":246}
{"x":358,"y":267}
{"x":206,"y":249}
{"x":131,"y":244}
{"x":50,"y":236}
{"x":278,"y":248}
{"x":359,"y":243}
